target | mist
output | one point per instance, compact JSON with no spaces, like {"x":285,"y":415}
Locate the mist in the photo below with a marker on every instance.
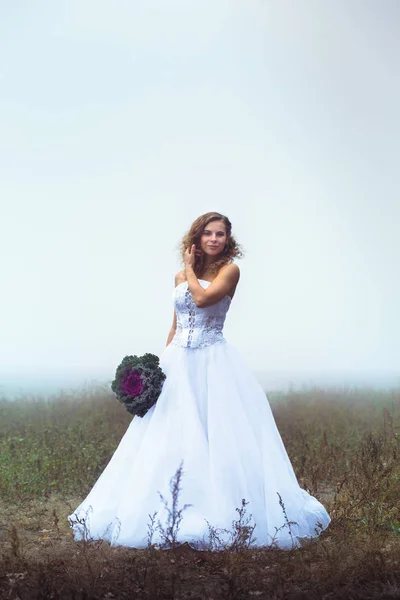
{"x":121,"y":124}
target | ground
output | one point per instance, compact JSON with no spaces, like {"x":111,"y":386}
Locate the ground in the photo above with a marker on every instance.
{"x":344,"y":446}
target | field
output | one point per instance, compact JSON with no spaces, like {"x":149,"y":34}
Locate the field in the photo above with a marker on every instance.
{"x":345,"y":448}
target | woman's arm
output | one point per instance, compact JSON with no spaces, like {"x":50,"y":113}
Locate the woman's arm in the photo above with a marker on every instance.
{"x":223,"y":285}
{"x":179,"y":278}
{"x":171,"y":331}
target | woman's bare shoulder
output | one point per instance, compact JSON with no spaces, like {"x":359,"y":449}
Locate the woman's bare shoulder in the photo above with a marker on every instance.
{"x":180,"y":277}
{"x":232,"y":271}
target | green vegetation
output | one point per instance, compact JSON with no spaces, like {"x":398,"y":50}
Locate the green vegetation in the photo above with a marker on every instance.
{"x":57,"y":446}
{"x":345,"y":449}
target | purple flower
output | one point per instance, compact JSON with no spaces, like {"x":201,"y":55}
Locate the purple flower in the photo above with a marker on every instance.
{"x":132,"y":384}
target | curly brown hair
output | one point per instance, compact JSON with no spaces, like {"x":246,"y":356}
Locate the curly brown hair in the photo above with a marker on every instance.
{"x":193,"y":236}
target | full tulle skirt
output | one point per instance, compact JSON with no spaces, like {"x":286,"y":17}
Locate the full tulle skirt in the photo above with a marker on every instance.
{"x":213,"y":419}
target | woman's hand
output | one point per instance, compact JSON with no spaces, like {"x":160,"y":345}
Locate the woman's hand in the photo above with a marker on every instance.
{"x":190,"y":256}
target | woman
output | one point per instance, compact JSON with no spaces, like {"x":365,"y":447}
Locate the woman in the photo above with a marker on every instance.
{"x":212,"y":417}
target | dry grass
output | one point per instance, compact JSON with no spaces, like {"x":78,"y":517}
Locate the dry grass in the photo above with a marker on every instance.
{"x":345,"y":448}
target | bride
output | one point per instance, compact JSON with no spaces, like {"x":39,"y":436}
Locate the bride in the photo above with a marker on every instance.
{"x":212,"y":417}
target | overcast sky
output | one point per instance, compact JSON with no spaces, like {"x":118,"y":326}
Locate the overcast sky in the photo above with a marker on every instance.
{"x":122,"y":121}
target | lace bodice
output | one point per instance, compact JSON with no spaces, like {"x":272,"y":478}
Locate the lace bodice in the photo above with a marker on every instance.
{"x":198,"y":327}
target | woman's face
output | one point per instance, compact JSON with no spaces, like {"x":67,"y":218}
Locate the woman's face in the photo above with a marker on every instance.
{"x":213,"y":238}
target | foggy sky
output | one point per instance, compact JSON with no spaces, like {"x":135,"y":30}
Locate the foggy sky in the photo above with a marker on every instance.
{"x":122,"y":122}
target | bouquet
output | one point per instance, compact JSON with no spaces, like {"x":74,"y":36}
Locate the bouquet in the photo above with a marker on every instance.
{"x":138,"y":383}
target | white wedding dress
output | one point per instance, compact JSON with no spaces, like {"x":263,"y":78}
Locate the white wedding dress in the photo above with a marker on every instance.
{"x":214,"y":417}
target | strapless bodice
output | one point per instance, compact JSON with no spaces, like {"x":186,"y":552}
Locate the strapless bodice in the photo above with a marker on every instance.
{"x":198,"y":327}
